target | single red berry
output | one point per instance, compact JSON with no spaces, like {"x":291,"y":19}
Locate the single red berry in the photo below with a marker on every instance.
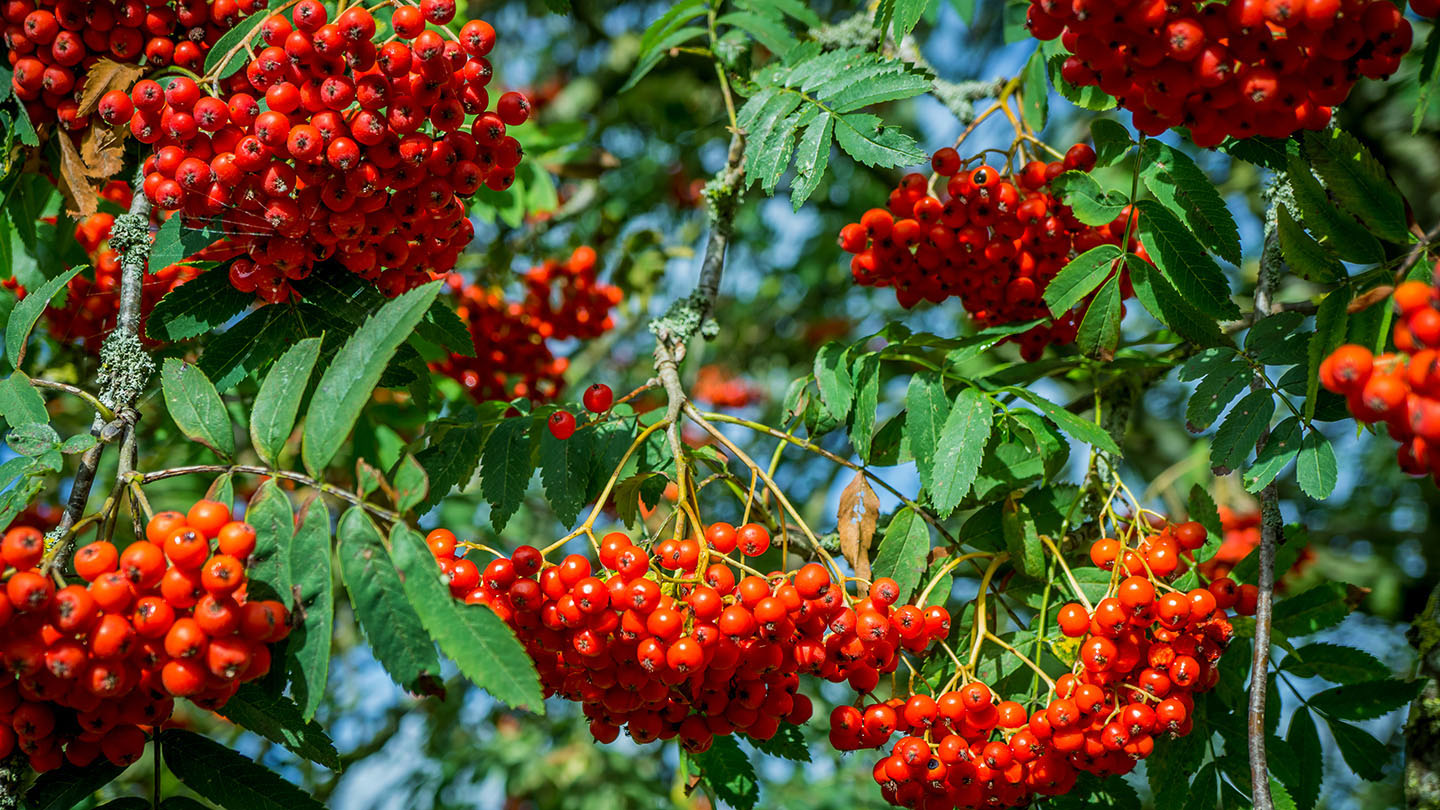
{"x":561,"y":424}
{"x":598,"y":398}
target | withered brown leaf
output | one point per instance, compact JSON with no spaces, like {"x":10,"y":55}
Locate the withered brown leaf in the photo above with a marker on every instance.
{"x":858,"y":514}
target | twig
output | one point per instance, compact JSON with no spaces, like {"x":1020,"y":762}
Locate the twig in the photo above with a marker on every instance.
{"x":248,"y":469}
{"x":1417,"y":252}
{"x":107,"y":414}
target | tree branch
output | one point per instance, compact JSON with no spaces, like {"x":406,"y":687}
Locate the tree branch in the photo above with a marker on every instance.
{"x":1270,"y":530}
{"x":125,"y":368}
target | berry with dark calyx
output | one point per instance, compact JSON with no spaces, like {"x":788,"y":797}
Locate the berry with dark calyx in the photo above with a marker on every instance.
{"x":598,"y":398}
{"x":561,"y":424}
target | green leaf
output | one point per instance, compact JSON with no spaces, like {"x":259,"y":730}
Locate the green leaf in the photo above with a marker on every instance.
{"x":1316,"y":469}
{"x":1330,"y":322}
{"x":1100,"y":328}
{"x":667,"y":23}
{"x":443,"y":327}
{"x":1022,"y":538}
{"x":33,"y":438}
{"x":1334,"y":663}
{"x":197,"y":306}
{"x":1236,"y":437}
{"x":926,"y":408}
{"x":863,"y":138}
{"x":195,"y":406}
{"x":1367,"y":700}
{"x":1088,"y":200}
{"x":78,"y":443}
{"x":391,"y":625}
{"x":248,"y":345}
{"x":27,"y":312}
{"x":1365,"y":755}
{"x":1216,"y":391}
{"x":1276,"y":339}
{"x":902,"y":551}
{"x":565,"y":472}
{"x":772,"y":129}
{"x":1203,"y":789}
{"x":450,"y":462}
{"x":272,"y":419}
{"x":1035,"y":95}
{"x":1112,"y":141}
{"x":867,"y":394}
{"x":505,"y":468}
{"x":1427,"y":78}
{"x":1082,"y":430}
{"x":270,"y":514}
{"x":1311,"y":611}
{"x":480,"y":644}
{"x":1309,"y":259}
{"x":1183,"y":188}
{"x":794,"y":9}
{"x":767,"y":31}
{"x":227,"y":777}
{"x":1169,"y":769}
{"x":812,"y":156}
{"x":1182,"y":259}
{"x":279,"y":720}
{"x":308,"y":653}
{"x":1359,"y":183}
{"x":1281,"y":447}
{"x":1079,"y":277}
{"x":126,"y":803}
{"x":412,"y":485}
{"x":1309,"y":758}
{"x":20,"y":403}
{"x":68,"y":786}
{"x":227,"y":56}
{"x":1169,"y":306}
{"x":729,"y":773}
{"x":1339,"y":231}
{"x":896,"y":82}
{"x":959,"y":450}
{"x":175,"y":241}
{"x":788,"y":743}
{"x":352,"y":375}
{"x":832,"y":377}
{"x":182,"y":803}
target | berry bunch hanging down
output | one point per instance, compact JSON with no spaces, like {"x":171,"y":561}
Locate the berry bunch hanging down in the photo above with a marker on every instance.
{"x":1236,"y":69}
{"x":53,"y":44}
{"x":666,"y":642}
{"x":994,"y":240}
{"x":1145,"y":650}
{"x":361,"y":153}
{"x":513,"y":354}
{"x":1400,"y":389}
{"x":87,"y":666}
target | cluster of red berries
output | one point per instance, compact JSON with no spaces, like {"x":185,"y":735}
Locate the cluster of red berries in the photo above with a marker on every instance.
{"x":694,"y":653}
{"x":52,"y":44}
{"x":1242,"y":535}
{"x":1238,"y":68}
{"x":513,"y":355}
{"x":1400,"y":389}
{"x":1142,"y":656}
{"x":361,"y":152}
{"x":996,"y":241}
{"x":87,"y":667}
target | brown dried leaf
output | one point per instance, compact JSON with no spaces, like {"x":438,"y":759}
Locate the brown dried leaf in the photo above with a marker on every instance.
{"x":103,"y":153}
{"x":859,"y":511}
{"x":104,"y":76}
{"x":1366,"y":299}
{"x":80,"y":196}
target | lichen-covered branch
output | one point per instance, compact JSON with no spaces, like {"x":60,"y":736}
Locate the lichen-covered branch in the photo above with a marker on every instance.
{"x":125,"y":368}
